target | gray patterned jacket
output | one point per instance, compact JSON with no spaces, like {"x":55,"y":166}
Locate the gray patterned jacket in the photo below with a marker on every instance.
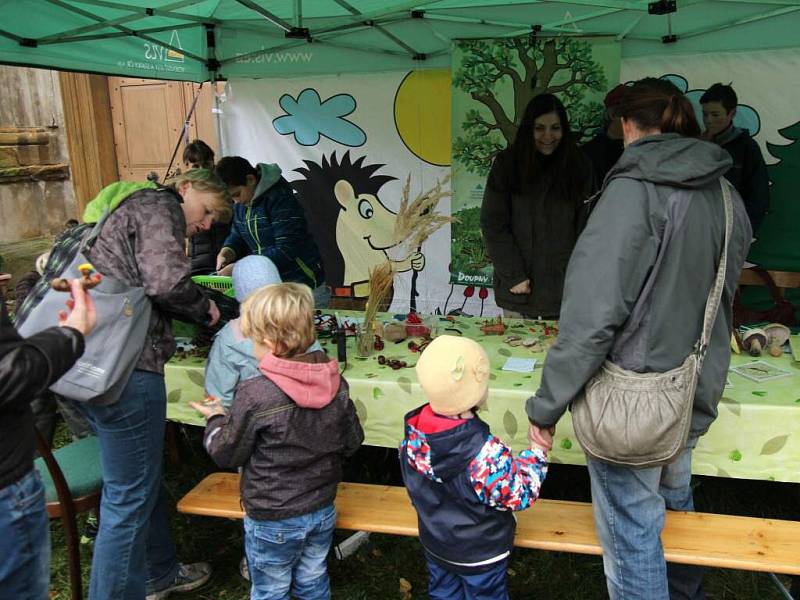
{"x":142,"y":244}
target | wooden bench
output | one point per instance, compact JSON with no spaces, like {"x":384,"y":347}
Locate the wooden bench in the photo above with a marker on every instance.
{"x":743,"y":543}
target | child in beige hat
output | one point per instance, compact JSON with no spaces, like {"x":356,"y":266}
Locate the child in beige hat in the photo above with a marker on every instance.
{"x":463,"y":481}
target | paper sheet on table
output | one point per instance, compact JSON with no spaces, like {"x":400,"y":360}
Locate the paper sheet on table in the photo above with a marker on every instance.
{"x":520,"y":365}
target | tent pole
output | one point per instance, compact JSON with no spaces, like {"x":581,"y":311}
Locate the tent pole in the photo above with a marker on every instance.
{"x":298,"y":13}
{"x":100,"y":22}
{"x":274,"y":19}
{"x":185,"y":128}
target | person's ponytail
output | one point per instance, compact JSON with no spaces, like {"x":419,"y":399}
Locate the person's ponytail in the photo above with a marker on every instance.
{"x":657,"y":104}
{"x":678,"y":117}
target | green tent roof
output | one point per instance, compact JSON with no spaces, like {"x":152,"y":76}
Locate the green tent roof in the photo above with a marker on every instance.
{"x":194,"y":40}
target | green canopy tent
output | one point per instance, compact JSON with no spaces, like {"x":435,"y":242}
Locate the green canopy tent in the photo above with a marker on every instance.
{"x":196,"y":40}
{"x":202,"y":40}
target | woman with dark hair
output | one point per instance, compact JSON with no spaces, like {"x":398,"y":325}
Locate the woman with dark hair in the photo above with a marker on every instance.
{"x":533,"y":210}
{"x":205,"y":245}
{"x":635,"y":294}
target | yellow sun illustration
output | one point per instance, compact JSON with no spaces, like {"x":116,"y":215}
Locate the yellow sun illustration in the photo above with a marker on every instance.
{"x":422,"y":115}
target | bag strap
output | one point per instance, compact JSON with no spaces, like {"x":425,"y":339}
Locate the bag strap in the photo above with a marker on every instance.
{"x":714,"y":296}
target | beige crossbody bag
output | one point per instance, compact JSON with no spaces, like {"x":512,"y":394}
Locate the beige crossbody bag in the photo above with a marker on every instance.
{"x":642,"y":419}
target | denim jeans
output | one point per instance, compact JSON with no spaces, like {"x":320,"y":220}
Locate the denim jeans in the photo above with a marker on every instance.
{"x":322,"y":296}
{"x":133,"y":550}
{"x":289,"y":556}
{"x":24,"y":540}
{"x":488,"y":585}
{"x":629,"y":509}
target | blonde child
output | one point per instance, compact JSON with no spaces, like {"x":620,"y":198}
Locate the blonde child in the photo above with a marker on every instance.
{"x":288,"y":429}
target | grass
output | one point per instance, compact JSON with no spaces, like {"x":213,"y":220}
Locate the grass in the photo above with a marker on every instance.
{"x":377,"y":570}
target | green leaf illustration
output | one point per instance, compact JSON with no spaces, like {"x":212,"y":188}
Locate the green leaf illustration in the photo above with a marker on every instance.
{"x":370,"y":375}
{"x":510,"y":423}
{"x":377,"y":393}
{"x":174,"y":396}
{"x":760,"y":394}
{"x":196,"y":377}
{"x":774,"y":445}
{"x":405,"y":384}
{"x":732,"y":405}
{"x":518,"y":384}
{"x":361,"y":410}
{"x":504,"y":352}
{"x":735,"y":455}
{"x":566,"y":444}
{"x":722,"y":473}
{"x":492,"y":376}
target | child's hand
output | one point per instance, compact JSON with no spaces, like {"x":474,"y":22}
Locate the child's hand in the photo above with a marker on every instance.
{"x":541,"y":437}
{"x":210,"y":407}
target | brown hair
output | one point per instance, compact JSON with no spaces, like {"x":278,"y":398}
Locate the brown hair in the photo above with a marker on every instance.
{"x":197,"y":152}
{"x":657,"y":104}
{"x":282,"y":314}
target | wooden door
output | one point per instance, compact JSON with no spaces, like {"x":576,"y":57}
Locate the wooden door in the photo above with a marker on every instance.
{"x":148,"y":120}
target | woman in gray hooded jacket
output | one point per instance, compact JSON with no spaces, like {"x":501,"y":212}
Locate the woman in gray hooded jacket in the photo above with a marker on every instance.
{"x":662,"y":199}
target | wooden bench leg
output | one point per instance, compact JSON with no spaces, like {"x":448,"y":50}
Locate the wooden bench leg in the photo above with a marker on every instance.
{"x":348,"y":546}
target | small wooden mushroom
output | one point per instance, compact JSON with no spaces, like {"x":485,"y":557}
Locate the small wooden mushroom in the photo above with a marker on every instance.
{"x":777,"y":335}
{"x":89,"y":280}
{"x":753,"y":341}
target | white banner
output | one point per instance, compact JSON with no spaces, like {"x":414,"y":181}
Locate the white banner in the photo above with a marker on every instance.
{"x":768,"y":91}
{"x":347,"y":144}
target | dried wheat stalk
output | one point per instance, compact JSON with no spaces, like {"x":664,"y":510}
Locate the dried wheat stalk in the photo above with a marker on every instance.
{"x":380,"y":282}
{"x":417,"y":221}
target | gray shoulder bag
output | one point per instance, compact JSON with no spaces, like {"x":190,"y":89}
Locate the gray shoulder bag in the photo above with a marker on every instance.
{"x":113,"y":347}
{"x":642,"y":420}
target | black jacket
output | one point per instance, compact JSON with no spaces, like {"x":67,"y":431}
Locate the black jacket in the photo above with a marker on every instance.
{"x":748,"y":173}
{"x":290,"y":441}
{"x":204,"y":247}
{"x":530,"y":234}
{"x":464,"y":483}
{"x":27,"y":367}
{"x":603,"y":152}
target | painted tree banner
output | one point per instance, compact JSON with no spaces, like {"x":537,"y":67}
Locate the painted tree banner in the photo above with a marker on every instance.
{"x":493,"y":80}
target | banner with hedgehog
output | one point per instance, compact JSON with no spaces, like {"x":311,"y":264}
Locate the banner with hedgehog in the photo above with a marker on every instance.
{"x":348,"y":145}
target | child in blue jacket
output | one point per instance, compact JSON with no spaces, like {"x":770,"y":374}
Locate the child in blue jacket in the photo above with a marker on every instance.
{"x":463,"y":481}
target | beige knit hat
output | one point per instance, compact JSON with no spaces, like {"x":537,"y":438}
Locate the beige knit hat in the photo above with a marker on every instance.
{"x":454,"y":374}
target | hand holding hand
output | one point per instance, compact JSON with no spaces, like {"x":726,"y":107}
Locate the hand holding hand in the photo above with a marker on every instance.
{"x":212,"y":406}
{"x":82,"y":314}
{"x":524,"y":287}
{"x":543,"y":438}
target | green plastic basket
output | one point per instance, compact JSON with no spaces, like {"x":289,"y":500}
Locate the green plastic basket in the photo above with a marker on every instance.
{"x":216,"y":282}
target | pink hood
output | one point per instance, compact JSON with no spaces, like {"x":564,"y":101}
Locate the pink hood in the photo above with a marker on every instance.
{"x":311,"y":380}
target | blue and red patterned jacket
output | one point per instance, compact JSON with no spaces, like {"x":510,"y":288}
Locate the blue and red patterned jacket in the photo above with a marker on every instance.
{"x":464,"y":483}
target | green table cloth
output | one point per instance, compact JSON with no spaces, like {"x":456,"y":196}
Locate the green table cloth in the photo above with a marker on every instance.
{"x":756,"y":435}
